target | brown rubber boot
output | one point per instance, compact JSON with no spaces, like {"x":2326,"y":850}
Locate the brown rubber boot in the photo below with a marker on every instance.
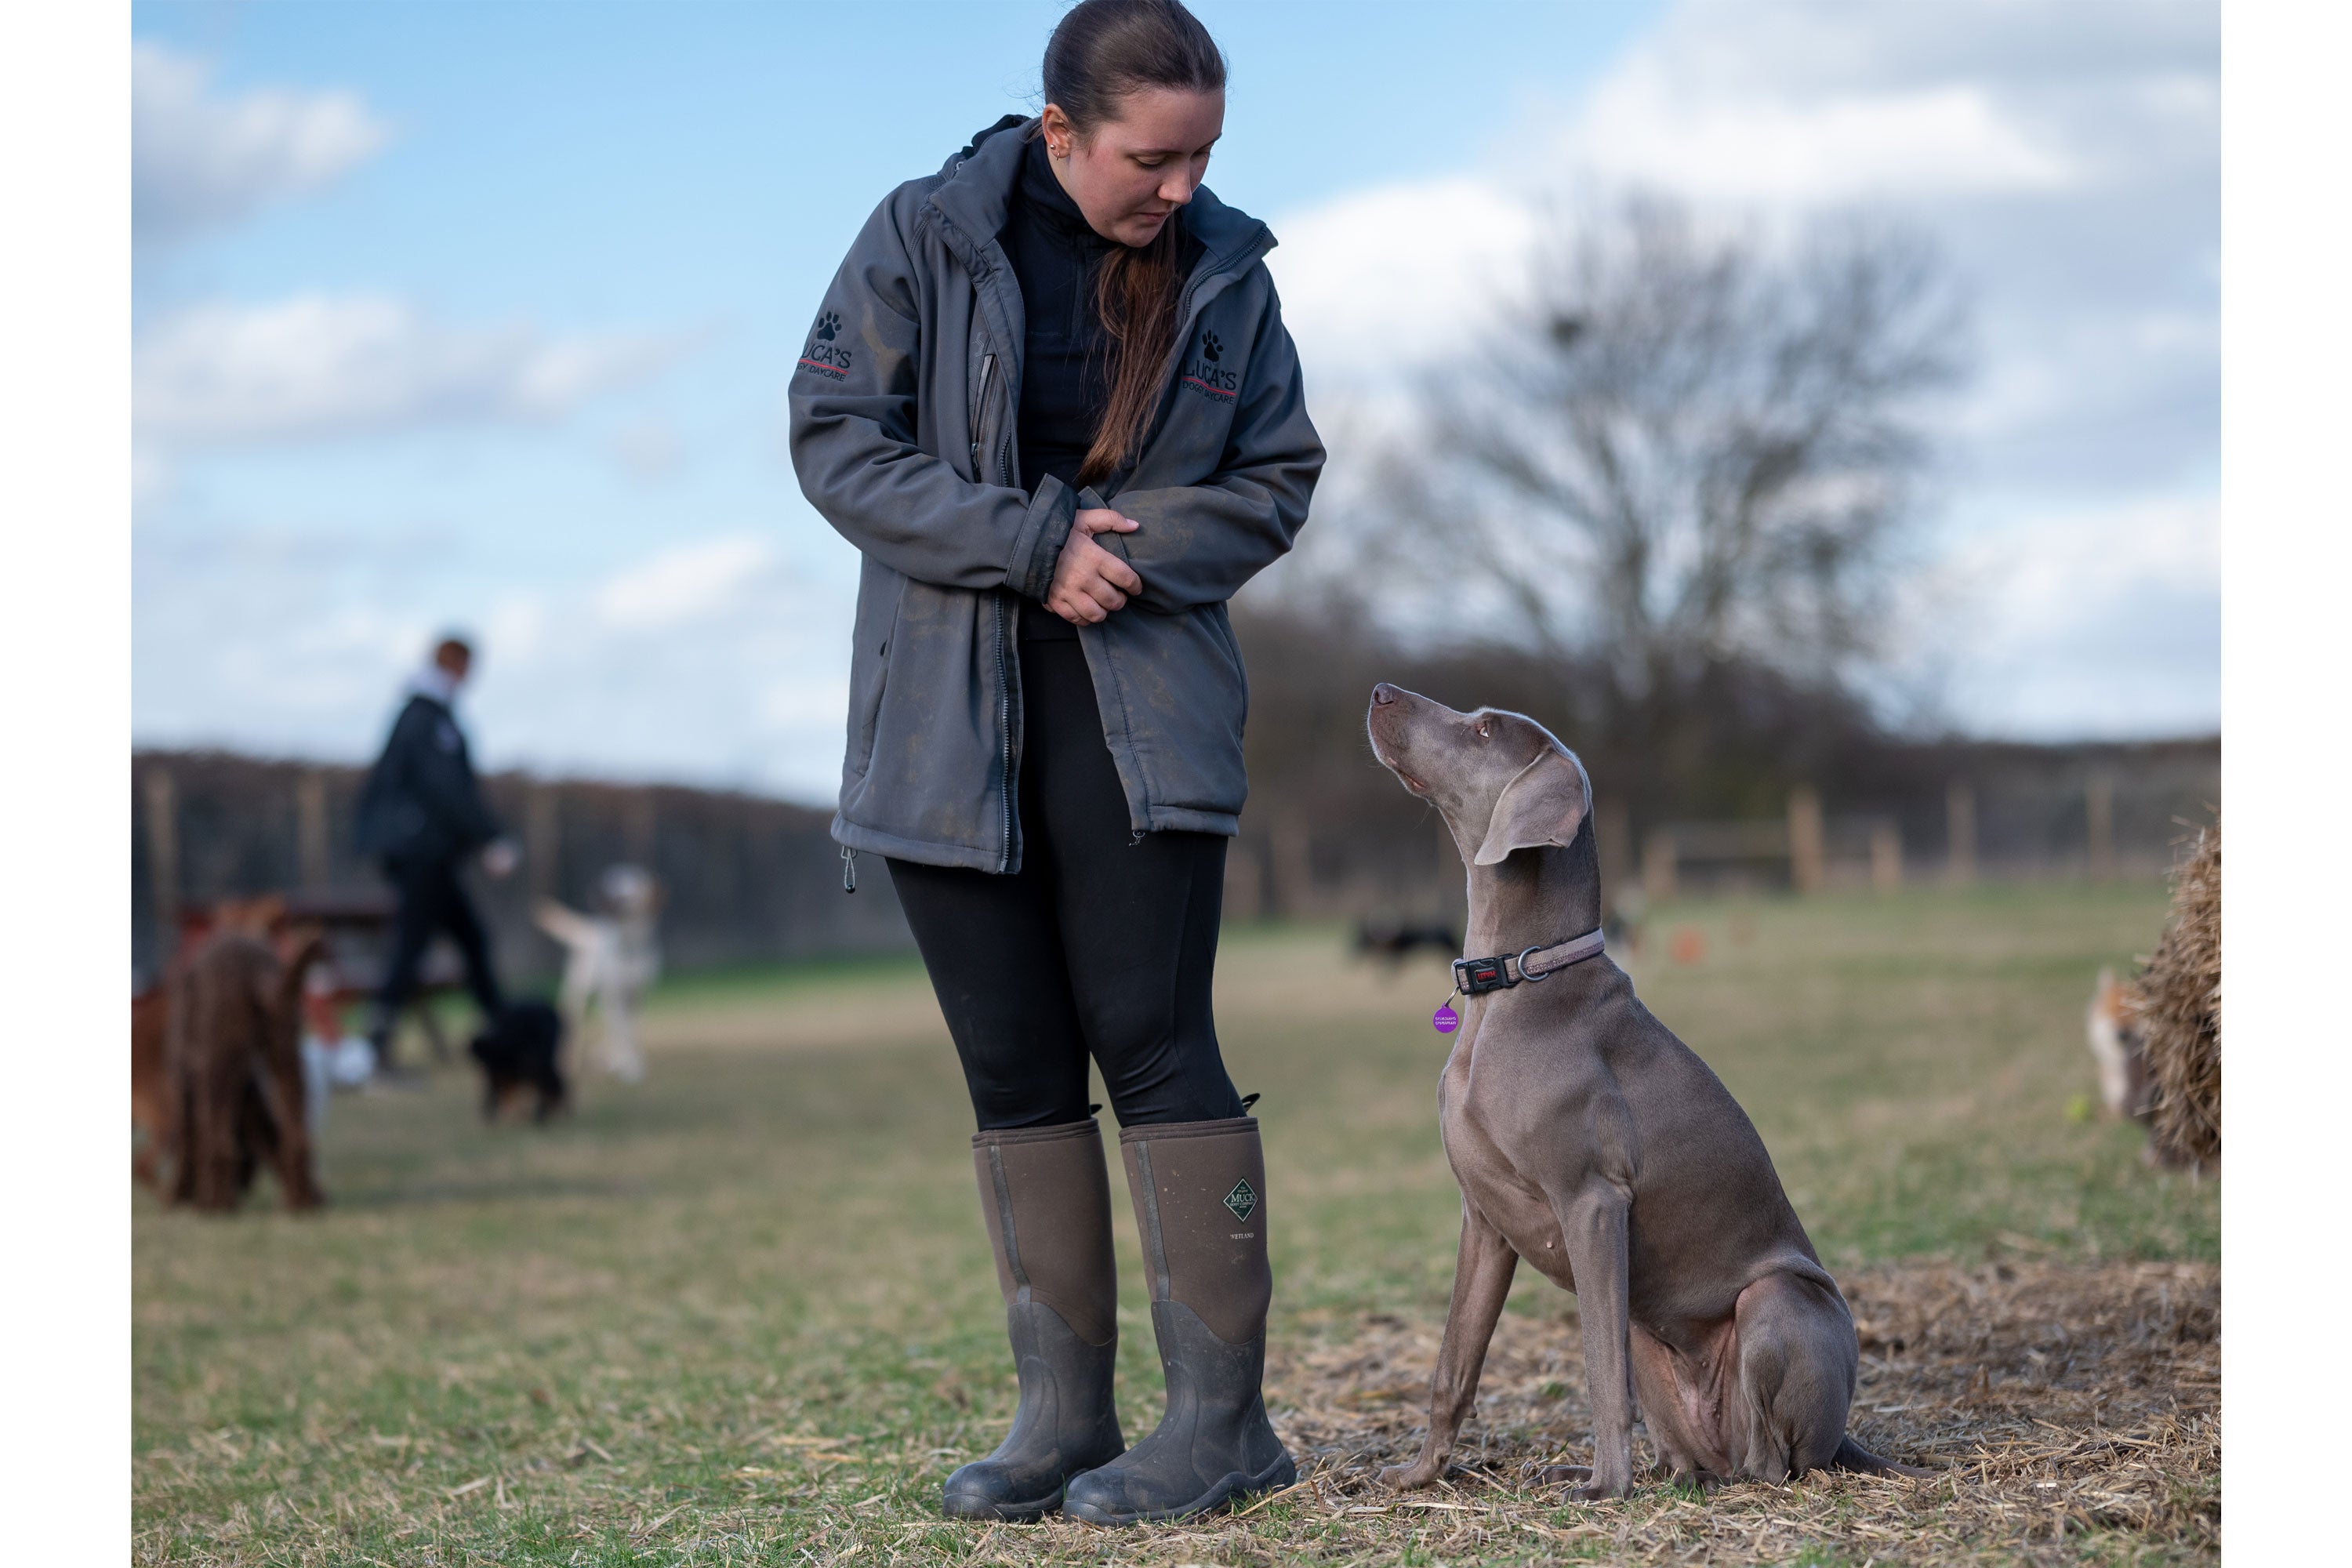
{"x":1200,"y":1200}
{"x":1048,"y":1199}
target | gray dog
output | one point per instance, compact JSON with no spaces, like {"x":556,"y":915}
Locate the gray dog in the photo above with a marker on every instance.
{"x":1591,"y":1141}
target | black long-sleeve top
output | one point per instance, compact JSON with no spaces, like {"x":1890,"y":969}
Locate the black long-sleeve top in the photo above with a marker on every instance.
{"x":422,"y":801}
{"x":1067,"y":358}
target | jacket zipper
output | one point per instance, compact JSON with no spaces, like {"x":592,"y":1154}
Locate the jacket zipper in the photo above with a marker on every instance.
{"x":979,"y":413}
{"x":1004,"y":730}
{"x":1004,"y":674}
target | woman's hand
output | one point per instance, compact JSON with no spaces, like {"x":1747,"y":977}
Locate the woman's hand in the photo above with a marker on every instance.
{"x":1090,"y":582}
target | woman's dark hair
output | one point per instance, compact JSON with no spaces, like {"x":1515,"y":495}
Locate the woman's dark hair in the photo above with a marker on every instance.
{"x":1103,"y":50}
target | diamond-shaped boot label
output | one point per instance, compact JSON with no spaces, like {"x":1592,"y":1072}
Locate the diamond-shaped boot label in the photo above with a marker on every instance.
{"x":1242,"y":1200}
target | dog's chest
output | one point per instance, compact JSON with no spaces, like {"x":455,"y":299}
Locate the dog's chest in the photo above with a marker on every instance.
{"x":1511,"y":1198}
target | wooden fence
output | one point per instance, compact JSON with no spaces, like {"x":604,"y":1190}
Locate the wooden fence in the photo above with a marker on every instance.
{"x":2006,"y":813}
{"x":746,"y":879}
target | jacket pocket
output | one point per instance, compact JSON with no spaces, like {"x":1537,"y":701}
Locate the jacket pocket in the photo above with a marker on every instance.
{"x":1221,"y":629}
{"x":879,"y":590}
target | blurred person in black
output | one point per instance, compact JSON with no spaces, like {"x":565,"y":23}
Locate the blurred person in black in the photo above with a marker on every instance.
{"x":421,"y":814}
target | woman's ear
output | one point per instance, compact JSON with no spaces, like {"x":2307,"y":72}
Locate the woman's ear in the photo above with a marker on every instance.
{"x":1056,"y":128}
{"x":1544,"y":803}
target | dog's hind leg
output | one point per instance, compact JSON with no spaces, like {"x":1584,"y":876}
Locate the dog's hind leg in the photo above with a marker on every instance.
{"x":622,"y":1056}
{"x":284,"y":1104}
{"x":551,"y":1095}
{"x":1798,"y":1365}
{"x":572,"y":996}
{"x":1482,"y":1277}
{"x":215,"y":1144}
{"x":180,"y":1140}
{"x":1682,"y":1406}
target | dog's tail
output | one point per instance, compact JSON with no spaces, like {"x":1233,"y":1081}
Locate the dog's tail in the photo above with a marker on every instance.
{"x":1851,"y":1455}
{"x":566,"y":925}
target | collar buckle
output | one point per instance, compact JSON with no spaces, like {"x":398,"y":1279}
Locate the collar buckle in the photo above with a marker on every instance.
{"x":1475,"y":976}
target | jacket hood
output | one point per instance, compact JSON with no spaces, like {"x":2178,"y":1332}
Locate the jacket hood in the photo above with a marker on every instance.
{"x":976,"y":186}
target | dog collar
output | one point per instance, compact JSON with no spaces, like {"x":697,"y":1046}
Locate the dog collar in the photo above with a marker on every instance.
{"x":1473,"y":976}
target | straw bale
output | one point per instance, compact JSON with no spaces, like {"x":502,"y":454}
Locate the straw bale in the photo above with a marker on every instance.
{"x":2177,"y":1004}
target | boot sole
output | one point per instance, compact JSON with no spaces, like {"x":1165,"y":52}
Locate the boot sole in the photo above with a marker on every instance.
{"x":1234,"y":1487}
{"x":992,"y":1510}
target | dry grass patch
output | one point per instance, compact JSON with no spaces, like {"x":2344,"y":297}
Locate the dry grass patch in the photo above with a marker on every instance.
{"x":2060,"y":1404}
{"x":744,"y":1313}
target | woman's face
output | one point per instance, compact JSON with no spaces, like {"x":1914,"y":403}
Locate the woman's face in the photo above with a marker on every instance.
{"x":1137,"y":169}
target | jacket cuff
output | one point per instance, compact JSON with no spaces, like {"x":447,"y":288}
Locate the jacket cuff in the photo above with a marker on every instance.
{"x":1053,"y":512}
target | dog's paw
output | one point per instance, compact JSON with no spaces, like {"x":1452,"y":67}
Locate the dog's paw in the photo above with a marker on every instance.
{"x":1605,"y":1492}
{"x":828,"y":325}
{"x":1410,"y":1477}
{"x":1211,"y":348}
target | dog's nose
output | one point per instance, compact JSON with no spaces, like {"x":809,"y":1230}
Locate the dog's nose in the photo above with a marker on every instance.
{"x":1383,"y":694}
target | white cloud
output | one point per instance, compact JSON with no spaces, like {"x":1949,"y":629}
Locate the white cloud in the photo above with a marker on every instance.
{"x":647,"y":449}
{"x":151,"y":475}
{"x":1398,"y":274}
{"x":688,"y":583}
{"x":721,"y":659}
{"x":201,"y":161}
{"x":2103,"y":620}
{"x":1760,"y":146}
{"x":2066,"y":153}
{"x":320,"y":365}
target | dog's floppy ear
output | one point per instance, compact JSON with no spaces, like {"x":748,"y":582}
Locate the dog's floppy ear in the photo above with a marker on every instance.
{"x":1543,"y":804}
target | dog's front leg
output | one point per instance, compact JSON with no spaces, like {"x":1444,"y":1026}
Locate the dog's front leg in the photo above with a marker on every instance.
{"x":1593,"y":1226}
{"x":279,"y":1077}
{"x":1482,"y":1277}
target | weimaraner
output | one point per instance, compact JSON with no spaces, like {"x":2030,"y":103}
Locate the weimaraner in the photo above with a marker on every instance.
{"x":1591,"y":1141}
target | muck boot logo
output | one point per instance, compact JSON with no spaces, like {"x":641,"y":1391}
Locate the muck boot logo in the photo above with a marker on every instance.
{"x":1242,"y":1200}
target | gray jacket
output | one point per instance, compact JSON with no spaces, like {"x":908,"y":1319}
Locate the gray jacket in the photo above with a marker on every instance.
{"x":903,"y":417}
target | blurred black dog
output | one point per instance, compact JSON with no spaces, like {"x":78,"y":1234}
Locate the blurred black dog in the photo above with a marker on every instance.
{"x":1392,"y":944}
{"x":518,"y":1052}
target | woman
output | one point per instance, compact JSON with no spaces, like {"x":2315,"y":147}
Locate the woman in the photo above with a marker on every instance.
{"x":1050,"y":398}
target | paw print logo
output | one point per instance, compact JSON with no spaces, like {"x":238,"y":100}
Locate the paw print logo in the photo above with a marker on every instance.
{"x":828,"y":325}
{"x":1211,"y":349}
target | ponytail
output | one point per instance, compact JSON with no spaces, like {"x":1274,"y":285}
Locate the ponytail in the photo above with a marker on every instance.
{"x":1102,"y":50}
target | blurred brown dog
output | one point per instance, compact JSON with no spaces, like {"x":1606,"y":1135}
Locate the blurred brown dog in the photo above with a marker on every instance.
{"x":150,"y":1093}
{"x":152,"y":1123}
{"x":233,"y":1073}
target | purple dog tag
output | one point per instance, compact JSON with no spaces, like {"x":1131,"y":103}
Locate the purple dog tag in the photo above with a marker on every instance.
{"x":1445,"y":1020}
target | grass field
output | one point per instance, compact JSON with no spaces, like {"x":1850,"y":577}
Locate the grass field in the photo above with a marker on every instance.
{"x":744,"y":1312}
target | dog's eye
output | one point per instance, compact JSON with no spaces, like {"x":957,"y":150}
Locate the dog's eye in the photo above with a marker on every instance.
{"x":1483,"y":731}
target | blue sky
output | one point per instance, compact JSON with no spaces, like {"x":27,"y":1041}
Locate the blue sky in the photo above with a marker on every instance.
{"x":480,"y":314}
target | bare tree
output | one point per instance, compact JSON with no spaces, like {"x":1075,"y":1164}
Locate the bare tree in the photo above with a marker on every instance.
{"x":1691,"y":450}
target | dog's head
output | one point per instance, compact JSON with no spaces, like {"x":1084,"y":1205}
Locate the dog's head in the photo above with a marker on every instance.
{"x":1501,"y":780}
{"x":523,"y":1031}
{"x":630,"y":891}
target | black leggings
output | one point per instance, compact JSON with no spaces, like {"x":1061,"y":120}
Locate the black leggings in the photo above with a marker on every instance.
{"x":1101,"y":946}
{"x":432,"y":900}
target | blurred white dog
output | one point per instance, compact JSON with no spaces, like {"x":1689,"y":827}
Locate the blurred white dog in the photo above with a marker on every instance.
{"x":613,"y":956}
{"x":2121,"y":1052}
